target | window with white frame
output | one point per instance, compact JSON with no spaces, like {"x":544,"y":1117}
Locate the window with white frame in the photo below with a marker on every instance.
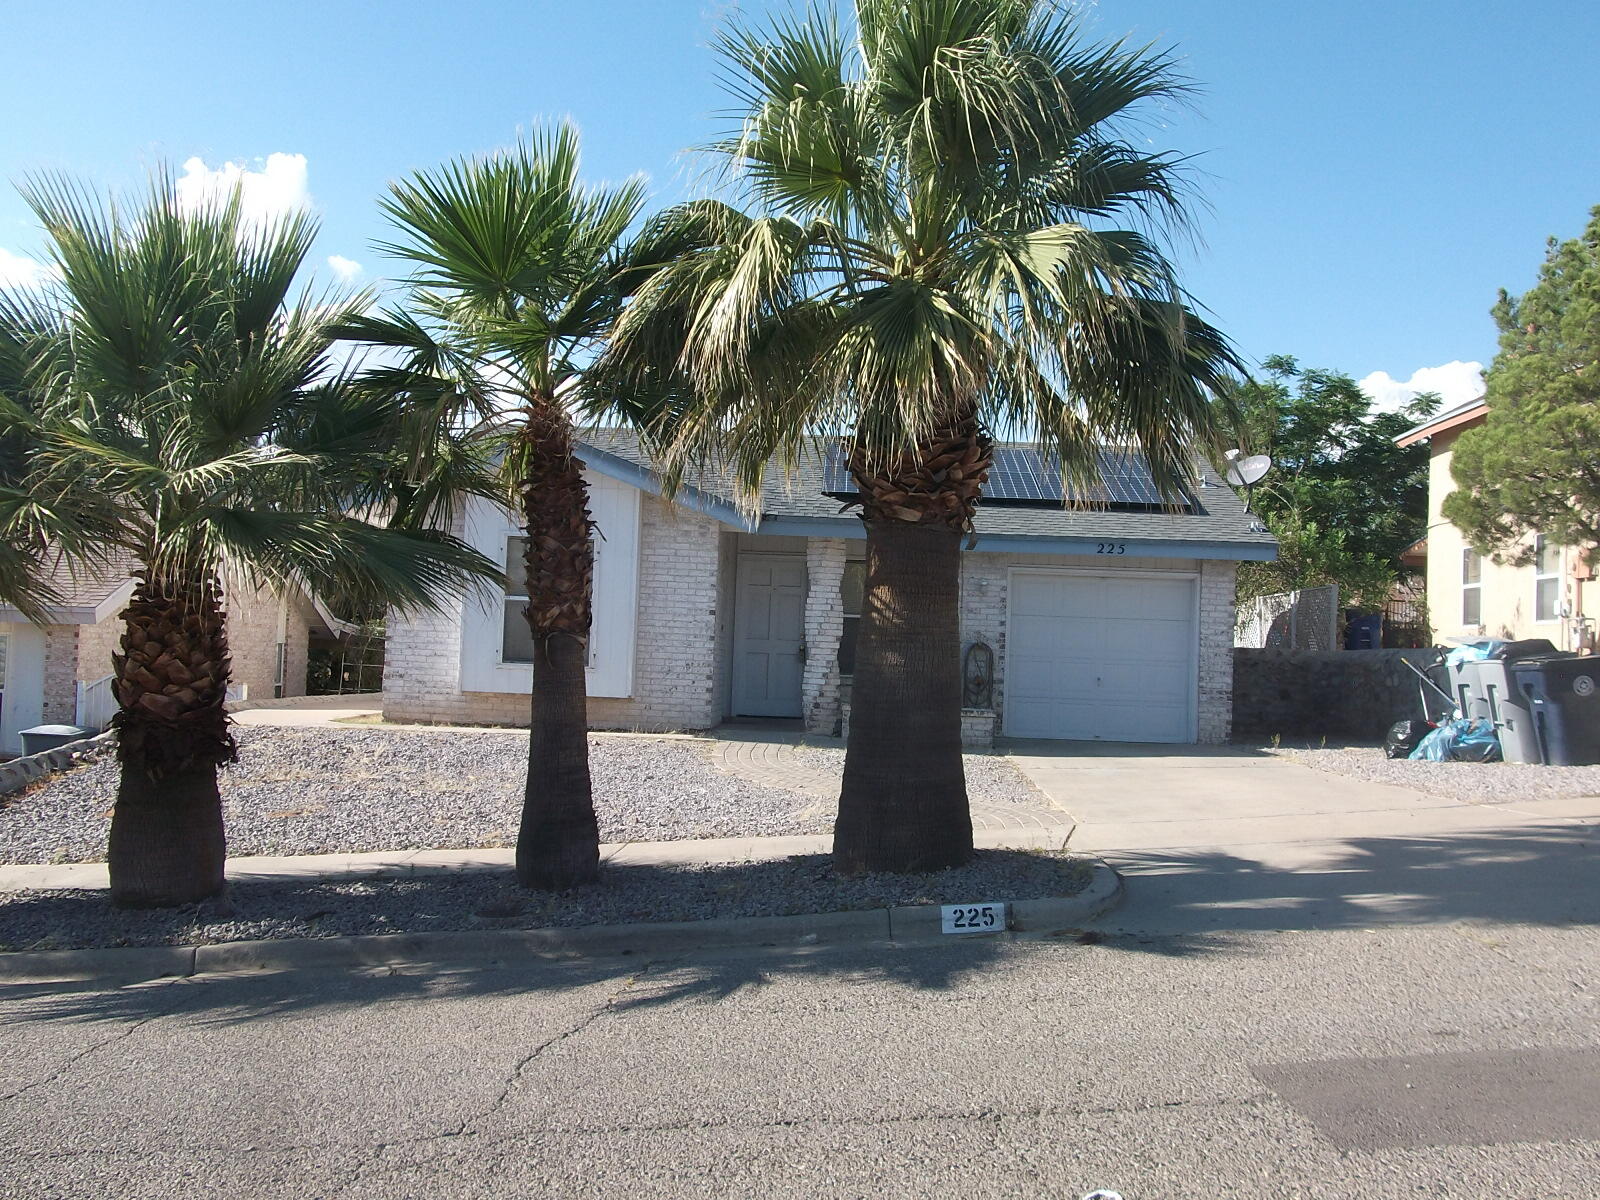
{"x":516,"y":638}
{"x":851,"y":589}
{"x":496,"y":644}
{"x":1471,"y":587}
{"x":1546,"y":580}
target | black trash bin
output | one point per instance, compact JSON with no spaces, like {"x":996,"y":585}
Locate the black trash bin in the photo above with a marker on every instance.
{"x":1564,"y":697}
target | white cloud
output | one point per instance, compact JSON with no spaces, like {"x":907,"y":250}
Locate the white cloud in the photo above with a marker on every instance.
{"x":19,"y":271}
{"x":345,"y":268}
{"x":276,"y":187}
{"x":1456,"y":382}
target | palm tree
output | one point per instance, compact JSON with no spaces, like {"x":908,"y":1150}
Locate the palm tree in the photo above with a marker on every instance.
{"x":939,"y":227}
{"x":518,"y":271}
{"x":175,"y":378}
{"x":40,"y":529}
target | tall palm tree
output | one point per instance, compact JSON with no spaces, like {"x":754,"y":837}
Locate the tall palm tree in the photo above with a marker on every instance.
{"x":176,"y":378}
{"x":518,"y":272}
{"x":935,"y":224}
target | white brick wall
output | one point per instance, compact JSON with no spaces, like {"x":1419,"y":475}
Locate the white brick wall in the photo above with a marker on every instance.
{"x":678,"y":676}
{"x":1215,"y":717}
{"x":819,"y":687}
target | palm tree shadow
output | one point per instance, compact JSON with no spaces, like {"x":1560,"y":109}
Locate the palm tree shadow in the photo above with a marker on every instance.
{"x":1182,"y":903}
{"x":1542,"y":874}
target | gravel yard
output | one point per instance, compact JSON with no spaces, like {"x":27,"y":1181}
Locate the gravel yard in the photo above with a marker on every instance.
{"x":990,"y":778}
{"x":1477,"y":783}
{"x":321,"y":790}
{"x":59,"y":920}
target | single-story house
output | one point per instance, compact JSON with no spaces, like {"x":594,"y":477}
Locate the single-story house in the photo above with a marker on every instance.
{"x":1469,"y":594}
{"x":1108,"y":622}
{"x":60,"y":672}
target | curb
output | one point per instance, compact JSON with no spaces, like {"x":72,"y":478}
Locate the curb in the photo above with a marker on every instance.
{"x":500,"y":947}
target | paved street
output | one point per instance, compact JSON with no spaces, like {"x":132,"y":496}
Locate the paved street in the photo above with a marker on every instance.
{"x":1405,"y":1012}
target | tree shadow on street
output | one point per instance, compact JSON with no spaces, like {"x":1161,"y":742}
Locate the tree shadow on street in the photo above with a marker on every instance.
{"x":1539,"y":874}
{"x":1180,"y":903}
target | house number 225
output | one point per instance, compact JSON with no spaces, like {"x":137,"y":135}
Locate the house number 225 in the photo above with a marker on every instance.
{"x":1111,"y":547}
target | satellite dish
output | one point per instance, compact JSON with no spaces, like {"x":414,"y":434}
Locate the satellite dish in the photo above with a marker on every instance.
{"x":1244,"y":472}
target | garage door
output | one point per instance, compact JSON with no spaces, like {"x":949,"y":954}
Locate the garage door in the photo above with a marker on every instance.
{"x":1092,"y":657}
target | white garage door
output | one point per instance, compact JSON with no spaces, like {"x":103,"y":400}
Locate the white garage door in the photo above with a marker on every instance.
{"x":1092,"y":657}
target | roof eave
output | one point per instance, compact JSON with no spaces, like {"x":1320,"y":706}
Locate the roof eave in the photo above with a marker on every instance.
{"x":1050,"y":544}
{"x":614,"y":466}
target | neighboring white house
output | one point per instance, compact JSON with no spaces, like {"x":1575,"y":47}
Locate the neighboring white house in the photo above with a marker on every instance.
{"x":60,"y":672}
{"x":1113,"y":622}
{"x":1469,"y":594}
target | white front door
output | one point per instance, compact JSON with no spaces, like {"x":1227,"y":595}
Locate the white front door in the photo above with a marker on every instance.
{"x":21,"y":683}
{"x":769,"y":630}
{"x":1101,"y":657}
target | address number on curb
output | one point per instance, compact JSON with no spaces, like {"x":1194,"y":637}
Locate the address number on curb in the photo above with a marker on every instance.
{"x":972,"y":918}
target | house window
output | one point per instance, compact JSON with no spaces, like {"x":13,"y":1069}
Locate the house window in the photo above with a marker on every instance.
{"x":851,"y":589}
{"x":1546,"y":580}
{"x":516,"y":638}
{"x":1471,"y":587}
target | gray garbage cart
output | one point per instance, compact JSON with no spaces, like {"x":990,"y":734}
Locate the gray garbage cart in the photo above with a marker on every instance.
{"x":1485,"y":691}
{"x":1564,"y":696}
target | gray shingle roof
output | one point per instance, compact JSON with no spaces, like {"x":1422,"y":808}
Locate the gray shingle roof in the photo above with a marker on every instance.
{"x":789,"y":500}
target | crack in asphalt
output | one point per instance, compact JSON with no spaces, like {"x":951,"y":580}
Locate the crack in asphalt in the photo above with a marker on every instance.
{"x":464,"y":1128}
{"x":122,"y":1034}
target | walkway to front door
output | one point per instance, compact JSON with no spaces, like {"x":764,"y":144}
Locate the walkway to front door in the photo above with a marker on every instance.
{"x":769,"y":631}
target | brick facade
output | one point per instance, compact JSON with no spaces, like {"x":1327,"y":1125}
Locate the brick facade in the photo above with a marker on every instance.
{"x":679,"y":676}
{"x":819,"y":687}
{"x":60,"y":675}
{"x":683,"y":646}
{"x":76,"y":654}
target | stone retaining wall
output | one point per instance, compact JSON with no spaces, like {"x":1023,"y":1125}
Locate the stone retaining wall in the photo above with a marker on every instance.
{"x":1352,"y":695}
{"x":18,"y":773}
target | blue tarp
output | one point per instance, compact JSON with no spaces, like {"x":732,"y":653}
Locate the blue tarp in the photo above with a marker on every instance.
{"x":1478,"y":651}
{"x":1460,"y":741}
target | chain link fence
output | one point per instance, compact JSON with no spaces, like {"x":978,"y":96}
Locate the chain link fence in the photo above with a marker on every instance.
{"x":1307,"y":619}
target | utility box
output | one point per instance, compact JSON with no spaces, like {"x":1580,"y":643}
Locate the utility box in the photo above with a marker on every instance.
{"x":47,"y":737}
{"x":1563,"y":695}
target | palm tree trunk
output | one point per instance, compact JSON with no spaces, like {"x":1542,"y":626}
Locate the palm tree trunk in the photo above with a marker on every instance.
{"x":903,"y":806}
{"x":167,"y":845}
{"x":558,"y":844}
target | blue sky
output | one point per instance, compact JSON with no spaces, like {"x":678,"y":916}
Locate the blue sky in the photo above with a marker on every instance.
{"x":1374,"y":170}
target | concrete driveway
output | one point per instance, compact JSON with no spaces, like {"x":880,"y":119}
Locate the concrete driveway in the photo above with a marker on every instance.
{"x":1228,"y":838}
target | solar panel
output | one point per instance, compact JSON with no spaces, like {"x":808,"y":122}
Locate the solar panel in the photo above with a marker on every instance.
{"x":1023,"y":475}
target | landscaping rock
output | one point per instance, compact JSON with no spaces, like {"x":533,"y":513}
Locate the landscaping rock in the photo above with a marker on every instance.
{"x":59,"y":920}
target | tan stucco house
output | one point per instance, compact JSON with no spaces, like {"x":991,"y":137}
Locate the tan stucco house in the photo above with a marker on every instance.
{"x":1109,"y":622}
{"x":1470,"y":595}
{"x":59,"y":672}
